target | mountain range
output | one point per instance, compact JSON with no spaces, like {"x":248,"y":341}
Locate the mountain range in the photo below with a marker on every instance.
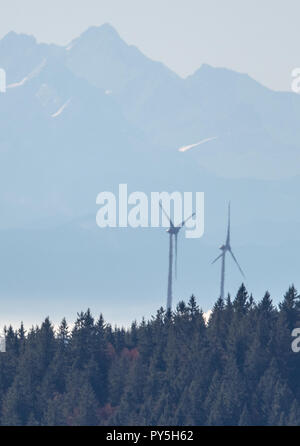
{"x":81,"y":119}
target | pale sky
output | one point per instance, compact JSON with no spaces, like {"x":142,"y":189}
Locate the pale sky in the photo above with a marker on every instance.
{"x":259,"y":37}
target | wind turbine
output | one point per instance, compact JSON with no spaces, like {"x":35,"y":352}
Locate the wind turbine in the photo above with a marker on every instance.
{"x":173,"y":232}
{"x":226,"y":248}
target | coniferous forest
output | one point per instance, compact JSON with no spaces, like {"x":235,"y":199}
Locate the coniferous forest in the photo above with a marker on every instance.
{"x":238,"y":369}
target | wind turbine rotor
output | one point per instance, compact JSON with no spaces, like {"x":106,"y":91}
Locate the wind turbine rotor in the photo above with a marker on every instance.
{"x":228,"y":227}
{"x":187,"y":219}
{"x":217,"y":258}
{"x":226,"y":248}
{"x":171,"y":223}
{"x":233,"y":256}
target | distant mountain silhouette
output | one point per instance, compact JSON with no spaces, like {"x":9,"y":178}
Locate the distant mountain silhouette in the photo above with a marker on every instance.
{"x":81,"y":119}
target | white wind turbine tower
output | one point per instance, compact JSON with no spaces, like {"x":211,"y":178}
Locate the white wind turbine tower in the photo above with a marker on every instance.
{"x":173,"y":232}
{"x":226,"y":248}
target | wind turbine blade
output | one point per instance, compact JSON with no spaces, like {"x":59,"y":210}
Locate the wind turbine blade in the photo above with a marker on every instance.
{"x":228,"y":227}
{"x":217,"y":258}
{"x":171,"y":223}
{"x":176,"y":235}
{"x":187,"y":219}
{"x":242,"y":272}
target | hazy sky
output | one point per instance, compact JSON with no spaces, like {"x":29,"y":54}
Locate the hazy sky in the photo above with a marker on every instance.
{"x":260,"y":37}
